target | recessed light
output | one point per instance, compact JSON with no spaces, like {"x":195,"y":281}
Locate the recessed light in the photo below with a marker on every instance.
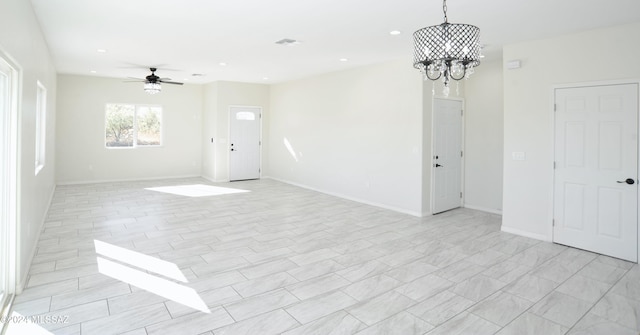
{"x":265,"y":78}
{"x":222,"y":64}
{"x":344,"y":59}
{"x":94,"y":71}
{"x":395,"y":32}
{"x":102,"y":51}
{"x":197,"y":75}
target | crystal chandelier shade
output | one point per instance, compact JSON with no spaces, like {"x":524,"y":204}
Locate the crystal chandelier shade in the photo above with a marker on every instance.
{"x":447,"y":51}
{"x":152,"y":88}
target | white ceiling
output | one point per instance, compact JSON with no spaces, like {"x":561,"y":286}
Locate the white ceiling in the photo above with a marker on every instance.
{"x":186,"y":37}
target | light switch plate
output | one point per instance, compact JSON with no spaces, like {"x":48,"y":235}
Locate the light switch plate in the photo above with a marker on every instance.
{"x":518,"y":156}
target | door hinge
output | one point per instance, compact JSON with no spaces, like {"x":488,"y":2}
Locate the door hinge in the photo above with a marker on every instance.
{"x":461,"y":153}
{"x":461,"y":112}
{"x":554,"y":165}
{"x":460,"y":195}
{"x":259,"y":142}
{"x":553,"y":222}
{"x":555,"y":107}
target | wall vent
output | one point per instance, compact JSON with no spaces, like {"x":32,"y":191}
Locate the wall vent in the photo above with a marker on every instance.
{"x":287,"y":42}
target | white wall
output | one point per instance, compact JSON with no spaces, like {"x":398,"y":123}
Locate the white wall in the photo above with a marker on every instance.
{"x":355,"y":133}
{"x":603,"y":54}
{"x":81,"y":152}
{"x":21,"y":40}
{"x":209,"y":133}
{"x":484,"y":138}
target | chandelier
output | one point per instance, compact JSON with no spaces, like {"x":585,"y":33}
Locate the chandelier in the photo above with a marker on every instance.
{"x":152,"y":88}
{"x":447,"y":51}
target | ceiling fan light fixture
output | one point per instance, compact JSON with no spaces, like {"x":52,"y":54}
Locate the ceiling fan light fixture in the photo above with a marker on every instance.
{"x":152,"y":88}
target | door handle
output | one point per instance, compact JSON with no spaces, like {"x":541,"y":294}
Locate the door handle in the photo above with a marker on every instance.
{"x":629,"y":181}
{"x":438,"y":165}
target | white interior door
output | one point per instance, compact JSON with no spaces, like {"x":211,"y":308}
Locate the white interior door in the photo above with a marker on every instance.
{"x":447,"y":155}
{"x":596,"y":169}
{"x":244,"y":144}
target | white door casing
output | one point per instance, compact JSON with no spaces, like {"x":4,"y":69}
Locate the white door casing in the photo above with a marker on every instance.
{"x":244,"y":143}
{"x":447,"y":155}
{"x":9,"y":125}
{"x":596,"y":169}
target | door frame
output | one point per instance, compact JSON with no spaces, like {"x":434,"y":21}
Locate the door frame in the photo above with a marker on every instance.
{"x":13,"y":202}
{"x":229,"y":133}
{"x":433,"y":149}
{"x":553,"y":144}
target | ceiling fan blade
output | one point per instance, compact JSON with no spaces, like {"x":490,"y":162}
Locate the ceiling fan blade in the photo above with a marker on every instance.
{"x":168,"y":79}
{"x":130,"y":65}
{"x":133,"y":81}
{"x":135,"y":78}
{"x":170,"y":82}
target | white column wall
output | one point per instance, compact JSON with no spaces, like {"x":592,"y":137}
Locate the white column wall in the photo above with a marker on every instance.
{"x":356,"y":134}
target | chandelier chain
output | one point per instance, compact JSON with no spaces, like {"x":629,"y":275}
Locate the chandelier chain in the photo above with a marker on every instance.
{"x":444,"y":9}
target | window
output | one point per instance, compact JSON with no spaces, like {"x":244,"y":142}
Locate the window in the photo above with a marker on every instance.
{"x":128,"y":126}
{"x":41,"y":126}
{"x":245,"y":116}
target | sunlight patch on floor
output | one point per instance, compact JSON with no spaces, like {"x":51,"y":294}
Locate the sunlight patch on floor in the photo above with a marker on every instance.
{"x":140,"y":278}
{"x":140,"y":260}
{"x":197,"y":190}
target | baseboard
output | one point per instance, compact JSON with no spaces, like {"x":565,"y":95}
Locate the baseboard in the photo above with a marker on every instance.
{"x":526,"y":234}
{"x":215,"y":180}
{"x":483,"y":209}
{"x":101,"y":181}
{"x":24,"y":275}
{"x":342,"y":196}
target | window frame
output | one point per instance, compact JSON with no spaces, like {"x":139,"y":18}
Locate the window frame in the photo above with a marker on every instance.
{"x":135,"y":144}
{"x":41,"y":128}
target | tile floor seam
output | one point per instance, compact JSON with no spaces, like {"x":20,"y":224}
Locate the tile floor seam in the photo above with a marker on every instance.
{"x":601,"y":297}
{"x":300,"y":323}
{"x":528,"y":310}
{"x":227,"y":311}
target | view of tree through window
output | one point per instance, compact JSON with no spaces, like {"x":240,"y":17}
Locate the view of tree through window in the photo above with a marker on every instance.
{"x":132,"y":125}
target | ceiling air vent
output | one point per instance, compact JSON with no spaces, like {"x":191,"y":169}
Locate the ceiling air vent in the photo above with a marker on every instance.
{"x":287,"y":42}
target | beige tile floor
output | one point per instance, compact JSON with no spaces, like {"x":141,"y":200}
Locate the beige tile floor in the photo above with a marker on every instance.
{"x":116,"y":258}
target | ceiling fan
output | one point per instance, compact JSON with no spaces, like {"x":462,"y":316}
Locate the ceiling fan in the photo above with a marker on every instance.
{"x":152,"y":82}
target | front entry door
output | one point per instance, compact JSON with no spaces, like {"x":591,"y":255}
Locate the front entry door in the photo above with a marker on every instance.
{"x":244,"y":144}
{"x":596,"y":169}
{"x":447,"y":152}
